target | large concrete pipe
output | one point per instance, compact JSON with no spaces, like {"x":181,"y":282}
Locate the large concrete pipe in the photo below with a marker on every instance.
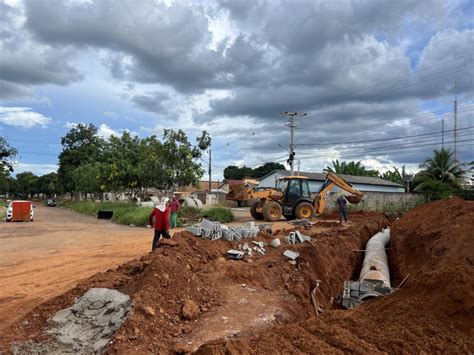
{"x":374,"y":277}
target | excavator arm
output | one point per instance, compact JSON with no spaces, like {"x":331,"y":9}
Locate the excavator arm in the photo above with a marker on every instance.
{"x":331,"y":181}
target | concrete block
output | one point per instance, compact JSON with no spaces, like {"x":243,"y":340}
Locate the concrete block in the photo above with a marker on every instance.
{"x":291,"y":254}
{"x":275,"y":243}
{"x":235,"y":254}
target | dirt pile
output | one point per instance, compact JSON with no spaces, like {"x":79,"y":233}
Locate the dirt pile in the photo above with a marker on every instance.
{"x":264,"y":305}
{"x":431,"y":313}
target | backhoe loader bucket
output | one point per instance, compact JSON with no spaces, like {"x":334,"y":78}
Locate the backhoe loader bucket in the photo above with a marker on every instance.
{"x":354,"y":199}
{"x":237,"y":193}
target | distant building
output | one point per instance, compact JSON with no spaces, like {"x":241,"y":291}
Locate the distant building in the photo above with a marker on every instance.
{"x":316,"y":180}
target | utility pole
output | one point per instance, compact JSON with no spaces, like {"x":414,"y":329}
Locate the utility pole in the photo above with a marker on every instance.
{"x":291,"y":123}
{"x":442,"y":133}
{"x":455,"y":120}
{"x":210,"y":170}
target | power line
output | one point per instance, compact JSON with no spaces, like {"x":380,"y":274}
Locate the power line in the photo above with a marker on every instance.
{"x":381,"y":139}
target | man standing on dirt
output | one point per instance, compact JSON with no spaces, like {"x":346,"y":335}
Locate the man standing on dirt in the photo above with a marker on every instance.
{"x":174,"y":208}
{"x":342,"y":204}
{"x":161,"y":214}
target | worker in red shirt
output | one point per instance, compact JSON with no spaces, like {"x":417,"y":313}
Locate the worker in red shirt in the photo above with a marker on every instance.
{"x":161,"y":215}
{"x":174,"y":208}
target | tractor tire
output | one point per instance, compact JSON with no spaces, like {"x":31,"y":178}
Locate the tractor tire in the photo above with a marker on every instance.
{"x":304,"y":210}
{"x":256,"y":215}
{"x":272,"y":211}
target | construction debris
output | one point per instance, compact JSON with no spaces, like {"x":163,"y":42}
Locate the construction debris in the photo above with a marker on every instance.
{"x":306,"y":223}
{"x":297,"y":237}
{"x":85,"y":327}
{"x":293,"y":255}
{"x":235,"y":254}
{"x":215,"y":230}
{"x":275,"y":243}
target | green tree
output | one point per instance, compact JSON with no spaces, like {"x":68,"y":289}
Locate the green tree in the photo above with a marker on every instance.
{"x":441,"y":176}
{"x":122,"y":168}
{"x":81,"y":145}
{"x":6,"y":166}
{"x":179,"y":159}
{"x":27,"y":183}
{"x":48,"y":184}
{"x":233,"y":172}
{"x":87,"y":178}
{"x":266,"y":169}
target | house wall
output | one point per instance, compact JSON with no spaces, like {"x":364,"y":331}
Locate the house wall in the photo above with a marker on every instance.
{"x":389,"y":202}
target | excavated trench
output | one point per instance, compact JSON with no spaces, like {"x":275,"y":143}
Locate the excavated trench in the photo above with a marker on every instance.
{"x":235,"y":299}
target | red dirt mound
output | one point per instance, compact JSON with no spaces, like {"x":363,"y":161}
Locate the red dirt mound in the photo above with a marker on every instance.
{"x":264,"y":306}
{"x":431,"y":313}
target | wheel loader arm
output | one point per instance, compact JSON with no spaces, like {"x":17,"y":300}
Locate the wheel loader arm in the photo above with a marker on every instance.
{"x":331,"y":181}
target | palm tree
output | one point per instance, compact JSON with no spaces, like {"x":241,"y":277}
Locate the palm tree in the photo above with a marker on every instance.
{"x":350,"y":168}
{"x":441,"y":167}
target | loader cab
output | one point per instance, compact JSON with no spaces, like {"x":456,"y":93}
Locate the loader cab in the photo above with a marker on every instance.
{"x":295,"y":188}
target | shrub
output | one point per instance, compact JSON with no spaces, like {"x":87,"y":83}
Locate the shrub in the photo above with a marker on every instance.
{"x":218,"y":214}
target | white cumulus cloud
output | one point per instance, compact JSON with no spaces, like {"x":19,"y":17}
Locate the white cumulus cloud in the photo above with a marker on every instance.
{"x":22,"y":117}
{"x":106,"y":131}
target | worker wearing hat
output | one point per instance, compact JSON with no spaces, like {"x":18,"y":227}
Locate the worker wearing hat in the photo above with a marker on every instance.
{"x":161,"y":217}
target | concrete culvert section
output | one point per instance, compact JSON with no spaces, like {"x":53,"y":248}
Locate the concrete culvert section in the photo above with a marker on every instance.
{"x":374,"y":277}
{"x":85,"y":327}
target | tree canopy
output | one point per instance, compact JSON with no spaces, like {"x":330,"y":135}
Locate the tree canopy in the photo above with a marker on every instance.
{"x":235,"y":173}
{"x":90,"y":164}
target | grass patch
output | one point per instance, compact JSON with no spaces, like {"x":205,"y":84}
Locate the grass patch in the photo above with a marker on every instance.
{"x":218,"y":214}
{"x":129,"y":213}
{"x":124,"y":212}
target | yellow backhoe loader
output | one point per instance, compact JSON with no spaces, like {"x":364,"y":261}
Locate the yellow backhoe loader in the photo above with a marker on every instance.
{"x":291,"y":198}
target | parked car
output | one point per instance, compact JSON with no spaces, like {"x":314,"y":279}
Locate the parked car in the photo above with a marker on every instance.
{"x":20,"y":211}
{"x":50,"y":203}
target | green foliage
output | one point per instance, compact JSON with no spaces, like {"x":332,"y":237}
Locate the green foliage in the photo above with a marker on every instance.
{"x":440,"y":167}
{"x":128,"y":213}
{"x":218,"y":214}
{"x":49,"y":184}
{"x":26,"y":183}
{"x":235,"y":173}
{"x":81,"y":145}
{"x":6,"y":153}
{"x":87,"y":178}
{"x":437,"y":190}
{"x":351,"y":168}
{"x":189,"y":213}
{"x":127,"y":163}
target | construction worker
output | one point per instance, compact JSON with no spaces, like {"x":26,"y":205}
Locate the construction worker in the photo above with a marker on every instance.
{"x":342,"y":205}
{"x":174,"y":208}
{"x":161,"y":216}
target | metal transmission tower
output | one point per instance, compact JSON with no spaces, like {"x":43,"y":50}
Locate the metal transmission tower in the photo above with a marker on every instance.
{"x":291,"y":123}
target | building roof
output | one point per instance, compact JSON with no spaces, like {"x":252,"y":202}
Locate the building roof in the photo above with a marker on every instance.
{"x":352,"y":179}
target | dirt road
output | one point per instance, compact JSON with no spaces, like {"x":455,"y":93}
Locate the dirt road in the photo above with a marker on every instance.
{"x":49,"y":256}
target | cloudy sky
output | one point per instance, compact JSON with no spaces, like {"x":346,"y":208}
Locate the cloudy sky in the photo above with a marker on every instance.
{"x":367,"y":73}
